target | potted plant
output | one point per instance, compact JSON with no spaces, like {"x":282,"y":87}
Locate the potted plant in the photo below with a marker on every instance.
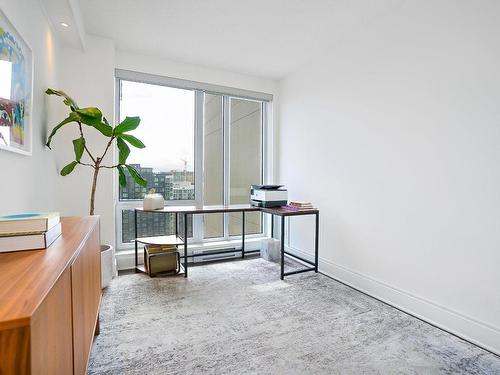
{"x":93,"y":117}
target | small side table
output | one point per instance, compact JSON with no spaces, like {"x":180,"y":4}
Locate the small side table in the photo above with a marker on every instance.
{"x":283,"y":213}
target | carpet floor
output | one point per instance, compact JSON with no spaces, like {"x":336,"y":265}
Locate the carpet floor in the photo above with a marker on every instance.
{"x":239,"y":318}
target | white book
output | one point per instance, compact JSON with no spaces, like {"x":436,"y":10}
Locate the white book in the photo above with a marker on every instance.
{"x":27,"y":223}
{"x":31,"y":241}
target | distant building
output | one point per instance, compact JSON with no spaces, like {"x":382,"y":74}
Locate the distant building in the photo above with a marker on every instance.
{"x":156,"y":180}
{"x":183,"y":190}
{"x":173,"y":185}
{"x":181,"y":176}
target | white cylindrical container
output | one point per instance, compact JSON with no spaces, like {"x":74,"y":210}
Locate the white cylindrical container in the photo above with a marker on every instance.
{"x":153,"y":201}
{"x":108,"y":268}
{"x":270,"y":249}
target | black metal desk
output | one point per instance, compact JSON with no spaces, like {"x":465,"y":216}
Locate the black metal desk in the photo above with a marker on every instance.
{"x":193,"y":210}
{"x":283,"y":213}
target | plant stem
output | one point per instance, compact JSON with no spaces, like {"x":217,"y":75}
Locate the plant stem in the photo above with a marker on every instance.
{"x":85,"y":146}
{"x":111,"y":167}
{"x":107,"y":147}
{"x":94,"y":184}
{"x":96,"y":170}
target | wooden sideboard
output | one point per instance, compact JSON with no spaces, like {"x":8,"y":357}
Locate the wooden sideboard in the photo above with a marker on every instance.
{"x":49,"y":302}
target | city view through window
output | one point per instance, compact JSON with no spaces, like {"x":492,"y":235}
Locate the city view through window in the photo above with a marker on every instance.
{"x":231,"y":159}
{"x":167,"y":162}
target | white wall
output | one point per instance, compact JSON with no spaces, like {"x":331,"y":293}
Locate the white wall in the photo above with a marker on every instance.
{"x":33,"y":182}
{"x":88,"y":77}
{"x":395,"y":135}
{"x":27,"y":182}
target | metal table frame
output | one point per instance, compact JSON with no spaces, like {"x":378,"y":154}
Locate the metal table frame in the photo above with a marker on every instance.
{"x":282,"y":213}
{"x":191,"y":210}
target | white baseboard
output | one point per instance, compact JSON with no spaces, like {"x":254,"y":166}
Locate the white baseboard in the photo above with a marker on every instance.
{"x":470,"y":329}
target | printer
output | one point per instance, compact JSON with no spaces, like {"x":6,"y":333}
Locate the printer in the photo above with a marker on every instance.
{"x":268,"y":196}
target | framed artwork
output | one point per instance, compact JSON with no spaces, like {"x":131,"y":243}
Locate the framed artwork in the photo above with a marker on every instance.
{"x":16,"y":90}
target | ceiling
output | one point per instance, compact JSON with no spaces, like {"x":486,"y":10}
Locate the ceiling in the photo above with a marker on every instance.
{"x":66,"y":11}
{"x":265,"y":38}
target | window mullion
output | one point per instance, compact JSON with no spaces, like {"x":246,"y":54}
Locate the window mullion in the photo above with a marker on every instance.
{"x":198,"y":165}
{"x":226,"y":150}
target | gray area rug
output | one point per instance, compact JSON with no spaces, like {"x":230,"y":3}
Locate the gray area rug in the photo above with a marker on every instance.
{"x":239,"y":318}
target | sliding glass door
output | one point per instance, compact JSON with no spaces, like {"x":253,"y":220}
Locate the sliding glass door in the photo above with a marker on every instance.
{"x":213,"y":163}
{"x":245,"y":160}
{"x":233,"y":161}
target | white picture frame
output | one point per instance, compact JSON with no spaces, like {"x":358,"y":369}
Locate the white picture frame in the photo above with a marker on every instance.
{"x":16,"y":90}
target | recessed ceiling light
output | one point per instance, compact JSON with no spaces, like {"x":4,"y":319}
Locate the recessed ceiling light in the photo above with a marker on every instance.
{"x":64,"y":24}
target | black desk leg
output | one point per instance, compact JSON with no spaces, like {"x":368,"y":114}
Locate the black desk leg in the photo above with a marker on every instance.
{"x":282,"y":276}
{"x":272,"y":226}
{"x":185,"y":245}
{"x":176,"y":225}
{"x":243,"y":235}
{"x":135,"y":241}
{"x":316,"y":244}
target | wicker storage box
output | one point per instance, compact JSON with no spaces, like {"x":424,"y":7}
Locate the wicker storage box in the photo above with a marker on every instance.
{"x":161,"y":260}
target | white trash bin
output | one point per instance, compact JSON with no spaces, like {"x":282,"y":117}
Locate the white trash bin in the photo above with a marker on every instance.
{"x":270,"y":249}
{"x":108,"y":268}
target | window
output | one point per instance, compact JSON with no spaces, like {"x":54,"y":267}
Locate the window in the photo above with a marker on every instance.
{"x":167,"y":128}
{"x":167,"y":163}
{"x":213,"y":163}
{"x":232,"y":129}
{"x":202,"y":148}
{"x":245,"y":160}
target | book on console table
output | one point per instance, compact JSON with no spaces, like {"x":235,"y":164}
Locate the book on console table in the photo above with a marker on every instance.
{"x":28,"y":223}
{"x":298,"y":206}
{"x":29,"y":241}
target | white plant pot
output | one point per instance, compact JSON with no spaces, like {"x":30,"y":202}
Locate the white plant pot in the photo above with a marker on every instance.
{"x":108,"y":266}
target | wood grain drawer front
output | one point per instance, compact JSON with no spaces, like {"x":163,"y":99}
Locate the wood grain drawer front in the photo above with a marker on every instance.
{"x":51,"y":331}
{"x":15,"y":351}
{"x":86,"y":297}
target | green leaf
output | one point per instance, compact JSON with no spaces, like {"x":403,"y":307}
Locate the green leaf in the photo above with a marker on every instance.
{"x":92,"y":116}
{"x":67,"y":100}
{"x":103,"y":128}
{"x":69,"y":168}
{"x":136,"y":176}
{"x":132,"y":140}
{"x":90,"y":112}
{"x":79,"y":146}
{"x":122,"y":179}
{"x":130,"y":123}
{"x":124,"y":151}
{"x":73,"y":117}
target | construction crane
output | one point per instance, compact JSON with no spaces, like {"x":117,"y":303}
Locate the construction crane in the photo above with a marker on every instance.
{"x":185,"y":168}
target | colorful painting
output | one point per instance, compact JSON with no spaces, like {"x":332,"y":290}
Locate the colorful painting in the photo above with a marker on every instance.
{"x":16,"y":86}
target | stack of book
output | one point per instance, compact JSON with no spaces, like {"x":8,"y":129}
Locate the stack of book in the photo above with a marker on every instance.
{"x":28,"y":231}
{"x":299,"y":206}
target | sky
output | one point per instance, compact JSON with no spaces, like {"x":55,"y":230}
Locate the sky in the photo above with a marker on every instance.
{"x":166,"y":128}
